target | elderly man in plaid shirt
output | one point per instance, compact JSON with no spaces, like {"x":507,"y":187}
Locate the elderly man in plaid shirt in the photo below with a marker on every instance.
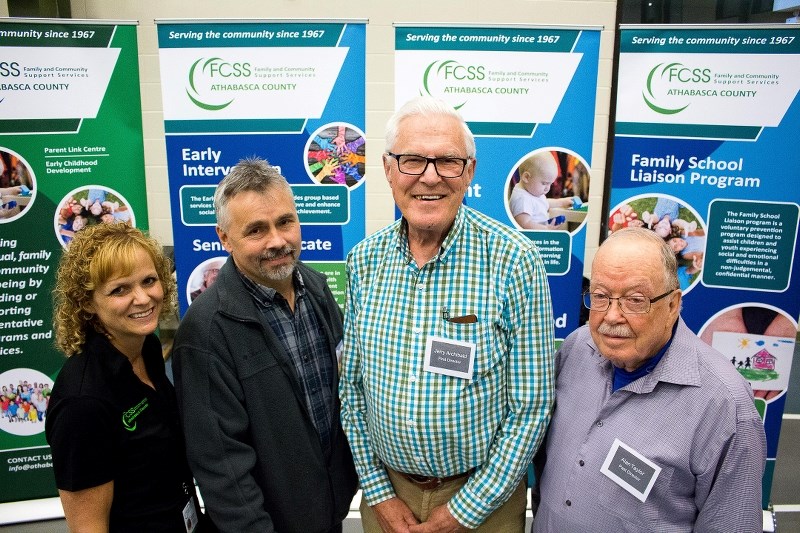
{"x":447,"y":375}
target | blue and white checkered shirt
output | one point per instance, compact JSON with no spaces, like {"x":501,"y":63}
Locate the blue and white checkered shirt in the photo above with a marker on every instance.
{"x":399,"y":415}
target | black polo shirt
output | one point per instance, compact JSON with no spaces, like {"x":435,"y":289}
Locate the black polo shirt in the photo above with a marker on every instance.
{"x":103,"y":424}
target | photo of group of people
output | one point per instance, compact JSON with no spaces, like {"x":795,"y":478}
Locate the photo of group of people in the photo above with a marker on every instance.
{"x":88,"y":206}
{"x":16,"y":185}
{"x":24,"y":397}
{"x":679,"y":225}
{"x":548,"y":190}
{"x":335,"y":155}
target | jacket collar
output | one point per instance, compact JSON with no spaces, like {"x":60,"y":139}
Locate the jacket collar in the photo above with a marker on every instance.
{"x":233,"y":294}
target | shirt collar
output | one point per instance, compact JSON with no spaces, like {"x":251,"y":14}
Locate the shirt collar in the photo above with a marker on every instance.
{"x":445,"y":249}
{"x":623,"y":377}
{"x":115,"y":361}
{"x":265,"y":296}
{"x":678,"y":364}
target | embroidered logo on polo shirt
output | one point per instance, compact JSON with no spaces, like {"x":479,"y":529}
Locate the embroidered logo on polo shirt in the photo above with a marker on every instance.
{"x":129,"y":416}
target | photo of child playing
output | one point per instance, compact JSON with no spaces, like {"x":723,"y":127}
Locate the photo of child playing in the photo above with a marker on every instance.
{"x":674,"y":222}
{"x":88,"y":206}
{"x":16,"y":185}
{"x":531,"y":201}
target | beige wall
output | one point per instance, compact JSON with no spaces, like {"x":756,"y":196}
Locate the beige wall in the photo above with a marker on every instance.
{"x":380,"y":72}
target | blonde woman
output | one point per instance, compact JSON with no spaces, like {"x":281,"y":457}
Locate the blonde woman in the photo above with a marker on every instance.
{"x":112,"y":422}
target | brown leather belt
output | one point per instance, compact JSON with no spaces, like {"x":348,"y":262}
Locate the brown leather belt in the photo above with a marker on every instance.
{"x":430,"y":483}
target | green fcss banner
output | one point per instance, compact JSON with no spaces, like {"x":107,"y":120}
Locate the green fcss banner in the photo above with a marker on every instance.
{"x":71,"y":156}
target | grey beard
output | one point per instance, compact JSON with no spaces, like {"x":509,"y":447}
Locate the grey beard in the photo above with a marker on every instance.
{"x":281,"y":273}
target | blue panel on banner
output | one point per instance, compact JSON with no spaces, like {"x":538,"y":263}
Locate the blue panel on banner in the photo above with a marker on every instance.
{"x":291,"y":93}
{"x":511,"y":129}
{"x":696,"y":131}
{"x":706,"y":140}
{"x":248,"y":34}
{"x":490,"y":39}
{"x":524,"y":92}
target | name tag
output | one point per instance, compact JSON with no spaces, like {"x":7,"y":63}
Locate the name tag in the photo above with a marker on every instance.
{"x":339,"y":352}
{"x":449,"y":357}
{"x":190,"y":516}
{"x":630,"y":470}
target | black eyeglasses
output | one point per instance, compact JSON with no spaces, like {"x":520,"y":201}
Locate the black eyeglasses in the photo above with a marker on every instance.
{"x":416,"y":165}
{"x":632,"y":305}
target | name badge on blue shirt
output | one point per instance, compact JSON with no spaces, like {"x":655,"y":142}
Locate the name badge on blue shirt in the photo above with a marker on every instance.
{"x":449,"y":357}
{"x":630,"y":470}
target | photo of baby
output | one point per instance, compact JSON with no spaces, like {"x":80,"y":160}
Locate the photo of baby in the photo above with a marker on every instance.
{"x":548,"y":190}
{"x":678,"y":224}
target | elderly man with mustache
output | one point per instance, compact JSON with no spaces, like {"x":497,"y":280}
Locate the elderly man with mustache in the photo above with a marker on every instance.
{"x":653,"y":430}
{"x":256,"y":372}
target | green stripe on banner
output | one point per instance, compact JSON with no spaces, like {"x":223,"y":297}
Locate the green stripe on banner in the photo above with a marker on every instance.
{"x":64,"y":125}
{"x":289,"y":125}
{"x":485,"y":39}
{"x":711,"y":41}
{"x":249,"y":34}
{"x":516,"y":129}
{"x":695,"y":131}
{"x":57,"y":35}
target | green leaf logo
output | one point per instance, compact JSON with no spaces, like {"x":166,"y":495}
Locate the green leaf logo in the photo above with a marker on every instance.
{"x":192,"y":91}
{"x":129,"y":416}
{"x":650,"y":97}
{"x":433,"y":72}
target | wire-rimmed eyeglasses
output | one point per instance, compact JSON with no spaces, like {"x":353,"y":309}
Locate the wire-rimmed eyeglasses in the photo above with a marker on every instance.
{"x":633,"y":305}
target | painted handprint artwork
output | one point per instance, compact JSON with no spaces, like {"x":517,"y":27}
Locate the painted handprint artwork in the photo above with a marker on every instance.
{"x":335,"y":155}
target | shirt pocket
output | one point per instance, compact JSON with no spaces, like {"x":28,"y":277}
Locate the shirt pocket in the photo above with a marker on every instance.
{"x":636,"y":515}
{"x":488,"y":351}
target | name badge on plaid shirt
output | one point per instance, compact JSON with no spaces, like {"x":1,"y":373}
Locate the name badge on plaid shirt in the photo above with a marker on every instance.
{"x":449,"y":357}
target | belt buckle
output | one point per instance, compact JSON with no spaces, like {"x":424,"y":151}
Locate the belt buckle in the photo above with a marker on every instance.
{"x":427,"y":483}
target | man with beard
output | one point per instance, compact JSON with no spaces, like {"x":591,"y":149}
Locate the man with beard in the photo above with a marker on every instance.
{"x":255,"y":364}
{"x":653,"y":429}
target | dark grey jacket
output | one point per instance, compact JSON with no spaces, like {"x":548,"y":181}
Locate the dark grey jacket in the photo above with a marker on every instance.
{"x":250,"y":442}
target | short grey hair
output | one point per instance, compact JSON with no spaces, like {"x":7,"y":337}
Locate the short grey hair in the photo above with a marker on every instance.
{"x":668,"y":259}
{"x":428,"y":107}
{"x":249,"y":174}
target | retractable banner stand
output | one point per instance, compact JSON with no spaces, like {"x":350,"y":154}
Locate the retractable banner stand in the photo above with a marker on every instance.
{"x":706,"y":155}
{"x":528,"y":95}
{"x":71,"y":156}
{"x":291,"y":92}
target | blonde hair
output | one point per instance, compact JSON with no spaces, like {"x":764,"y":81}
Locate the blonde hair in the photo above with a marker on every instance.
{"x":537,"y":164}
{"x":94,"y":256}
